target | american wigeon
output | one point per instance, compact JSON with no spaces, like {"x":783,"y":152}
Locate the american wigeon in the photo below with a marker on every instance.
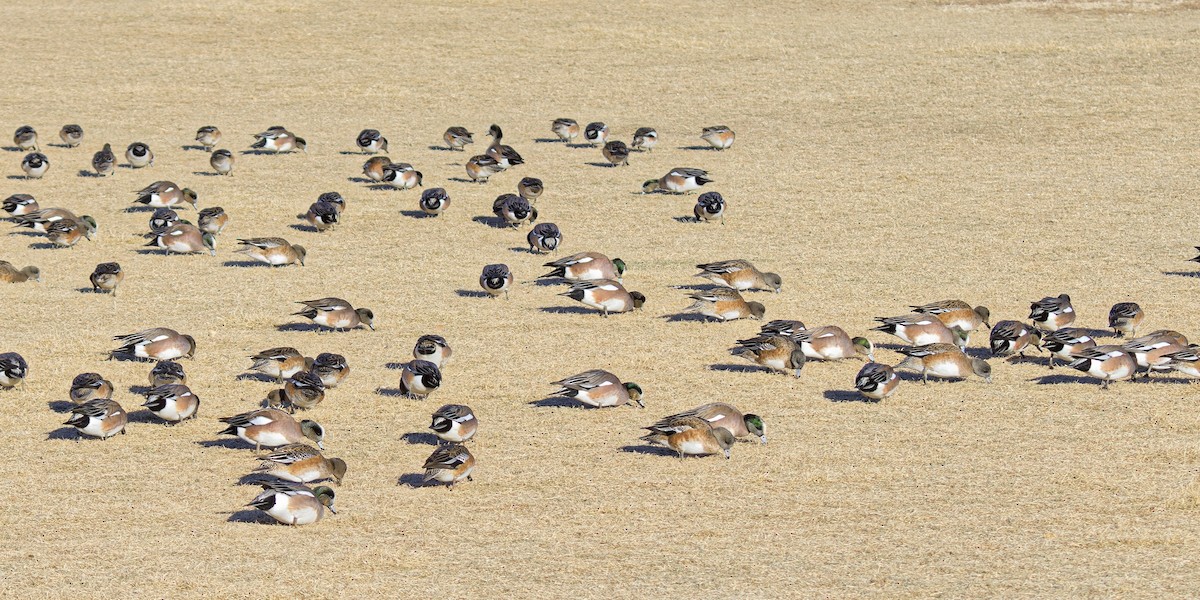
{"x":212,"y":220}
{"x":336,"y":314}
{"x":100,"y":418}
{"x":301,"y":463}
{"x":294,"y":503}
{"x":481,"y":167}
{"x":544,"y":237}
{"x":956,"y":313}
{"x":71,"y":135}
{"x":1107,"y":363}
{"x":645,"y":138}
{"x":106,"y":277}
{"x":419,"y":378}
{"x":566,"y":129}
{"x":496,"y":279}
{"x":943,"y":360}
{"x":11,"y":274}
{"x":1150,"y":351}
{"x":35,"y":165}
{"x":273,"y":251}
{"x":596,"y":133}
{"x":1052,"y":314}
{"x":166,"y":194}
{"x":506,"y":156}
{"x":718,"y":136}
{"x":710,"y":206}
{"x":208,"y":136}
{"x":183,"y":238}
{"x":272,"y":427}
{"x":679,"y":180}
{"x":303,"y":391}
{"x":690,"y":435}
{"x":376,"y":167}
{"x":449,"y":465}
{"x":514,"y":210}
{"x":921,"y":329}
{"x":68,"y":232}
{"x":222,"y":162}
{"x":1013,"y":337}
{"x":104,"y":162}
{"x":740,"y":275}
{"x":18,"y":205}
{"x":775,"y":352}
{"x":280,"y":363}
{"x":13,"y":370}
{"x":724,"y":304}
{"x":876,"y":381}
{"x":278,"y":139}
{"x":433,"y":348}
{"x":434,"y":201}
{"x":139,"y":155}
{"x":1186,"y":361}
{"x":158,"y":343}
{"x":25,"y":138}
{"x":720,"y":414}
{"x":457,"y":137}
{"x":163,"y":218}
{"x":831,"y":342}
{"x":173,"y":403}
{"x":454,"y":423}
{"x":167,"y":372}
{"x":1065,"y":342}
{"x":331,"y":368}
{"x":402,"y":176}
{"x":322,"y":215}
{"x":530,"y":188}
{"x":616,"y":153}
{"x":598,"y":388}
{"x":89,"y":386}
{"x":1125,"y":318}
{"x":370,"y":141}
{"x":785,"y":327}
{"x":605,"y":295}
{"x":584,"y":266}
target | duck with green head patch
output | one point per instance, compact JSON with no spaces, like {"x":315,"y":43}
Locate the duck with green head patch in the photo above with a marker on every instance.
{"x":600,"y":389}
{"x":294,"y":503}
{"x":720,"y":414}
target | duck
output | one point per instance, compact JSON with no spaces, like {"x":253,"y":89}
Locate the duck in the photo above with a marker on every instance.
{"x":495,"y":280}
{"x":724,"y":304}
{"x":71,"y":135}
{"x":277,"y":140}
{"x":831,"y":342}
{"x":740,"y":275}
{"x":544,"y":237}
{"x":690,"y":436}
{"x":172,"y":403}
{"x":645,"y":138}
{"x":336,"y":314}
{"x":419,"y":378}
{"x":303,"y":391}
{"x":293,"y":503}
{"x":402,"y":176}
{"x":370,"y":141}
{"x":166,"y":194}
{"x":331,"y":368}
{"x":616,"y":153}
{"x":11,"y":274}
{"x":183,"y":238}
{"x":139,"y":155}
{"x":322,"y":215}
{"x":104,"y":162}
{"x":1125,"y":317}
{"x":458,"y":137}
{"x":208,"y":136}
{"x":776,"y":352}
{"x":13,"y":370}
{"x":280,"y":363}
{"x":514,"y":210}
{"x":272,"y":427}
{"x":921,"y":329}
{"x":876,"y":381}
{"x":784,"y":327}
{"x":1065,"y":342}
{"x":272,"y":251}
{"x":679,"y":180}
{"x":1150,"y":350}
{"x":1186,"y":361}
{"x":212,"y":220}
{"x":1052,"y":314}
{"x":481,"y":167}
{"x":25,"y":138}
{"x":68,"y":232}
{"x":506,"y":156}
{"x":375,"y":168}
{"x":720,"y":414}
{"x":18,"y":205}
{"x":163,"y":218}
{"x":586,"y":266}
{"x":35,"y":165}
{"x":943,"y":360}
{"x":159,"y":343}
{"x":1013,"y":337}
{"x":719,"y":137}
{"x":449,"y":465}
{"x":454,"y":423}
{"x":41,"y":220}
{"x":710,"y":206}
{"x":301,"y":463}
{"x":222,"y":162}
{"x":99,"y":418}
{"x":530,"y":188}
{"x":566,"y":129}
{"x":1107,"y":363}
{"x":434,"y":201}
{"x":167,"y":372}
{"x":598,"y":388}
{"x":596,"y":133}
{"x":433,"y":348}
{"x":90,"y":386}
{"x":956,"y":313}
{"x":106,"y":277}
{"x":605,"y":295}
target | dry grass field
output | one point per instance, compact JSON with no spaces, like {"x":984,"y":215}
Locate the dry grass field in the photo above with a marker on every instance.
{"x":888,"y":154}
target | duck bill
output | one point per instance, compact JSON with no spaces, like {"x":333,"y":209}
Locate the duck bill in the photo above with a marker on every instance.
{"x":763,"y":437}
{"x":728,"y":454}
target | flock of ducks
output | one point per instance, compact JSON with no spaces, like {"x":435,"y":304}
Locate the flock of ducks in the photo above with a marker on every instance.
{"x":936,"y":335}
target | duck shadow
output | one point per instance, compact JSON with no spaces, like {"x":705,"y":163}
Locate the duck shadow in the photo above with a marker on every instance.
{"x":128,"y":358}
{"x":193,"y":147}
{"x":60,"y":145}
{"x":245,"y":264}
{"x":894,"y":347}
{"x":253,"y":479}
{"x":44,"y":246}
{"x":19,"y":177}
{"x":65,"y":433}
{"x":262,"y":152}
{"x":263,"y":377}
{"x":60,"y":406}
{"x":416,"y":214}
{"x":359,"y":180}
{"x":493,"y":222}
{"x":471,"y":294}
{"x":983,"y":353}
{"x":26,"y":232}
{"x":1059,"y":378}
{"x":86,"y":173}
{"x":686,"y":219}
{"x":697,"y":287}
{"x":649,"y":450}
{"x":463,"y":180}
{"x":227,"y":443}
{"x":145,"y":416}
{"x":304,"y":228}
{"x":353,"y":153}
{"x":847,"y":396}
{"x":390,"y":392}
{"x":420,"y":438}
{"x":437,"y":148}
{"x":11,"y":149}
{"x":1182,"y":273}
{"x":540,"y":282}
{"x":599,"y":164}
{"x":395,"y":366}
{"x":547,"y":141}
{"x":87,"y":290}
{"x":301,"y":327}
{"x":584,"y":145}
{"x":694,"y":317}
{"x":706,"y":148}
{"x":525,"y":250}
{"x":139,"y":390}
{"x":250,"y":515}
{"x":569,"y":310}
{"x":412,"y":480}
{"x":382,"y":187}
{"x":557,"y":402}
{"x":138,"y":209}
{"x":1097,"y":333}
{"x":734,"y":368}
{"x":206,"y":174}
